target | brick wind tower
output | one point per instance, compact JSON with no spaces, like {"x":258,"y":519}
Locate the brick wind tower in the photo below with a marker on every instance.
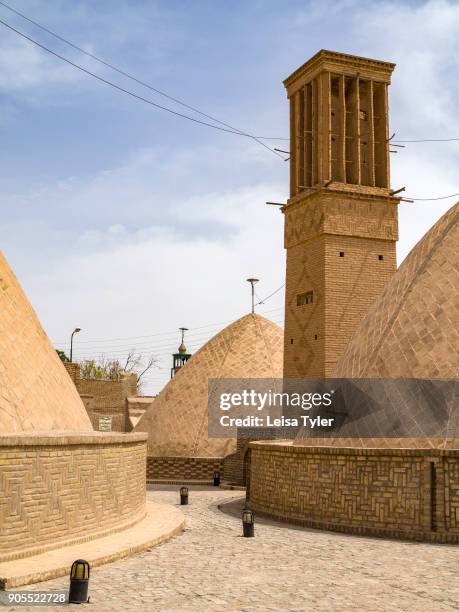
{"x":341,"y":219}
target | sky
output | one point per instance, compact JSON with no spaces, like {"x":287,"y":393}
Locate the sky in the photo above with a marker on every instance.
{"x":129,"y":222}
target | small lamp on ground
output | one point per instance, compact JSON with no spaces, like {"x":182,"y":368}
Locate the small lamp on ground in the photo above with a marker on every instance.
{"x":248,"y":520}
{"x":183,"y":496}
{"x":79,"y":582}
{"x":216,"y":478}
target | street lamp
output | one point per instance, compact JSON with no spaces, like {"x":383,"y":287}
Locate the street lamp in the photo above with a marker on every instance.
{"x":75,"y":331}
{"x":252,"y":281}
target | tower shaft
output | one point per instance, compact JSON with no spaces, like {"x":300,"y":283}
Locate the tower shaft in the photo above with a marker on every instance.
{"x":340,"y":220}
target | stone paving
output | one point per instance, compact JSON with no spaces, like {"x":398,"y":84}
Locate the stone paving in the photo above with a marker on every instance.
{"x":210,"y":567}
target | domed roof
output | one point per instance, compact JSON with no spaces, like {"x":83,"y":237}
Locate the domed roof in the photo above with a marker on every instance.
{"x":251,"y":347}
{"x":36,"y":393}
{"x":412,"y":329}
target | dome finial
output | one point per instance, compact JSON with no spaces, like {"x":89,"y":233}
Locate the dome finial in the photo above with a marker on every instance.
{"x":182,"y":347}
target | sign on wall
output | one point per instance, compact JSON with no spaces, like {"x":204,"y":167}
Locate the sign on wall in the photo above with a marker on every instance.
{"x":105,"y":423}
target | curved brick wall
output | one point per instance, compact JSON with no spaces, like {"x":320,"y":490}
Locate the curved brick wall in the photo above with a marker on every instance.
{"x":57,"y":488}
{"x":183,"y":469}
{"x":403,"y":493}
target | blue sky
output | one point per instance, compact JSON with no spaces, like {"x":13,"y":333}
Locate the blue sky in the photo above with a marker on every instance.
{"x":126,"y":221}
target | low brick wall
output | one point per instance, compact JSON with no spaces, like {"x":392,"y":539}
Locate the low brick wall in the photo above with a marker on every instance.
{"x":183,"y":468}
{"x":58,"y":488}
{"x":402,"y":493}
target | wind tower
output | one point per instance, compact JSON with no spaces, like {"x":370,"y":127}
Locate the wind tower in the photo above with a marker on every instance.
{"x":181,"y":357}
{"x":341,"y":218}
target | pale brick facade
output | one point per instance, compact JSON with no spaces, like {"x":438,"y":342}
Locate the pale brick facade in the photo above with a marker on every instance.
{"x":57,"y":488}
{"x":340,"y":220}
{"x":383,"y":492}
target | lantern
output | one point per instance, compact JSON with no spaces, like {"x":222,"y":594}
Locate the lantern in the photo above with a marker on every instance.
{"x":79,"y":582}
{"x":248,"y":520}
{"x":216,"y":479}
{"x":183,"y":496}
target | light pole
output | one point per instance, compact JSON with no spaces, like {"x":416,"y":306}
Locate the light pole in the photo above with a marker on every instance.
{"x":252,"y":281}
{"x":75,"y":331}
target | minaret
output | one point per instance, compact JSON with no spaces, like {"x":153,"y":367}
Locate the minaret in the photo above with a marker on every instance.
{"x":341,"y":219}
{"x":181,"y":357}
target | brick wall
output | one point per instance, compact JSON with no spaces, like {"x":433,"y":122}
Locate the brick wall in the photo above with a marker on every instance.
{"x":406,"y":493}
{"x":183,"y":468}
{"x":59,"y":488}
{"x":341,"y":249}
{"x":234,"y":464}
{"x":105,"y":397}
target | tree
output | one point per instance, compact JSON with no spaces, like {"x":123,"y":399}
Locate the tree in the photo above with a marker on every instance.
{"x":111,"y":369}
{"x":62,"y":356}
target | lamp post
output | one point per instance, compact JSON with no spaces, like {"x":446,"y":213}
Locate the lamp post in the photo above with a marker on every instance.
{"x":184,"y":496}
{"x":216,"y":478}
{"x":75,"y":331}
{"x":252,"y":281}
{"x":248,"y":520}
{"x":79,"y":582}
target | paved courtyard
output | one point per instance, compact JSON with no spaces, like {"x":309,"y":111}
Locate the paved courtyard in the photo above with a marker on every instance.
{"x":211,"y":567}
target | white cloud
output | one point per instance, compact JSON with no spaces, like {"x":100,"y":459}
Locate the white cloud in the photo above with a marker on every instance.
{"x":168,"y":237}
{"x":24,"y":66}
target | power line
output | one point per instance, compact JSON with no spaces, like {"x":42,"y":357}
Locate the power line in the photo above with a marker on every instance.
{"x":164,"y":349}
{"x":270,"y":295}
{"x":168,"y":333}
{"x":453,"y":195}
{"x":428,"y":140}
{"x":130,"y":76}
{"x":232,"y":129}
{"x":156,"y":350}
{"x":134,"y":95}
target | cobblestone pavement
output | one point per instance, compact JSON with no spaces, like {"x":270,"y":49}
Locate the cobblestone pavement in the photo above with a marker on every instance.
{"x":211,"y":567}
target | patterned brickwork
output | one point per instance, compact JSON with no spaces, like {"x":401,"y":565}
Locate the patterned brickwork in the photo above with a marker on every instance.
{"x":233,"y":464}
{"x":55,"y":489}
{"x":451,"y":471}
{"x":400,"y":493}
{"x":412,"y":330}
{"x":183,"y":468}
{"x":176,"y":423}
{"x":342,"y":249}
{"x":35,"y":390}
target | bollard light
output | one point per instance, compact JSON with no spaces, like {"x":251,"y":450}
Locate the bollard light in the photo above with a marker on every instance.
{"x":184,"y":496}
{"x":248,"y":520}
{"x":216,"y":479}
{"x":79,"y":582}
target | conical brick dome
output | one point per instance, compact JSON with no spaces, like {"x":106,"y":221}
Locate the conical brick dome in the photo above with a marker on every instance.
{"x":412,"y":330}
{"x":251,"y":347}
{"x":36,"y":393}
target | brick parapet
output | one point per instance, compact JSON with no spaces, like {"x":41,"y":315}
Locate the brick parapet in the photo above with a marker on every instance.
{"x":59,"y":489}
{"x":183,"y":468}
{"x":402,"y":493}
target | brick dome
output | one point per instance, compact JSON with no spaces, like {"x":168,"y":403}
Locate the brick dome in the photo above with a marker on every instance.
{"x":36,"y":393}
{"x":412,"y":330}
{"x":176,"y":422}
